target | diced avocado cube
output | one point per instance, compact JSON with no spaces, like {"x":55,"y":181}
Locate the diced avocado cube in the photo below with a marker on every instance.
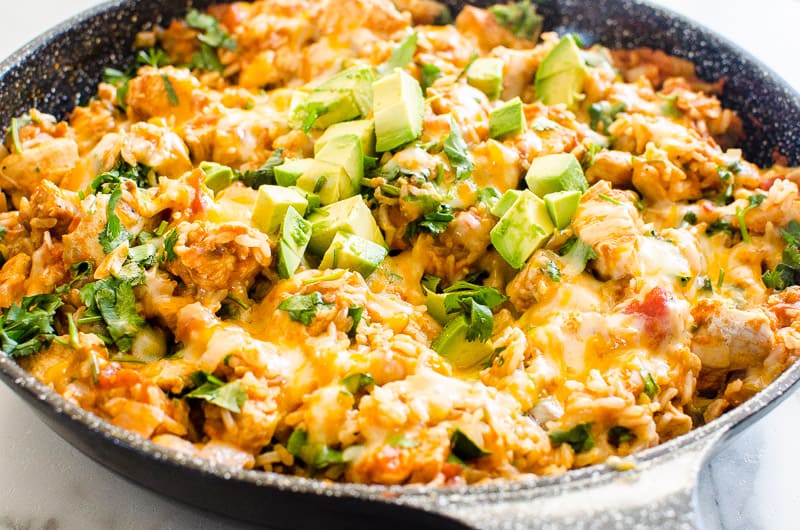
{"x":287,"y":173}
{"x":507,"y":120}
{"x":436,"y":308}
{"x":364,"y":129}
{"x":295,"y":234}
{"x":345,"y":96}
{"x":561,"y":206}
{"x":271,"y":206}
{"x":486,"y":74}
{"x":352,"y":216}
{"x":399,"y":109}
{"x":218,"y":177}
{"x":552,"y":173}
{"x":524,"y":227}
{"x":349,"y":251}
{"x":325,"y":179}
{"x":346,"y":151}
{"x":453,"y":345}
{"x":562,"y":74}
{"x":506,"y":201}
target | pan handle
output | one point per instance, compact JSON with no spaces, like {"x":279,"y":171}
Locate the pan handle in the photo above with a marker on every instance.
{"x":655,"y":493}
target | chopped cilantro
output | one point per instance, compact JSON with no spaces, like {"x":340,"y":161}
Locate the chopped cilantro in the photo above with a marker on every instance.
{"x":690,"y":217}
{"x":429,"y":73}
{"x":475,"y":302}
{"x":579,"y":251}
{"x":651,"y":388}
{"x":212,"y":32}
{"x":720,"y":225}
{"x":457,"y":152}
{"x":114,"y":233}
{"x":113,"y":301}
{"x":551,"y":270}
{"x":434,"y":222}
{"x":604,"y":113}
{"x":303,"y":307}
{"x":786,"y":273}
{"x":230,"y":396}
{"x":753,"y":202}
{"x":402,"y":54}
{"x":255,"y":178}
{"x":155,"y":57}
{"x":579,"y":437}
{"x":26,"y":327}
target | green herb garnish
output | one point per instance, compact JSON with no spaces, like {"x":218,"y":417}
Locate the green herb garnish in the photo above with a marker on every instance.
{"x":579,"y":437}
{"x":303,"y":307}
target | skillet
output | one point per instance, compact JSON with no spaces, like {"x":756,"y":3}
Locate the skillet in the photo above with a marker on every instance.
{"x":60,"y":70}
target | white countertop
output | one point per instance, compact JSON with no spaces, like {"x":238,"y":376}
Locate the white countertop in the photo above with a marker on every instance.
{"x":45,"y":483}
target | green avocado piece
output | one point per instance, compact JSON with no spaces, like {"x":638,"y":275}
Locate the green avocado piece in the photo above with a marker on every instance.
{"x":351,"y":215}
{"x":507,"y":120}
{"x":364,"y":129}
{"x":349,"y":251}
{"x":345,"y":151}
{"x":561,"y":206}
{"x":272,"y":202}
{"x":506,"y":201}
{"x":523,"y":228}
{"x":562,"y":74}
{"x":399,"y":109}
{"x":486,"y":74}
{"x":453,"y":345}
{"x":435,"y":303}
{"x":295,"y":235}
{"x":327,"y":180}
{"x":287,"y":173}
{"x":218,"y":177}
{"x":345,"y":96}
{"x":552,"y":173}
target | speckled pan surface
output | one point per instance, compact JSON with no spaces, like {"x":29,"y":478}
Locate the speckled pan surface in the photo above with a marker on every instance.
{"x":61,"y":69}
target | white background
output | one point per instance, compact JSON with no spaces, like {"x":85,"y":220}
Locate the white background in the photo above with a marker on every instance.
{"x":45,"y":483}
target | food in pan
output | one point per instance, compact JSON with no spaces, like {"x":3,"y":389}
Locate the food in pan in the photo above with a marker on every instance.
{"x":360,"y":241}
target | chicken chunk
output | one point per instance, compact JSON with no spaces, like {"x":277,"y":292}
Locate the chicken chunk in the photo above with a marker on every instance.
{"x":729,"y":338}
{"x":214,"y":257}
{"x":611,"y":229}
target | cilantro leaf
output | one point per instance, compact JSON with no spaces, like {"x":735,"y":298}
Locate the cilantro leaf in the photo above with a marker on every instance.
{"x":256,"y":178}
{"x":113,"y":301}
{"x":114,"y":233}
{"x":457,"y":152}
{"x":480,"y":321}
{"x":26,"y":327}
{"x":206,"y":58}
{"x":787,"y":273}
{"x":578,"y":252}
{"x":604,"y":113}
{"x":230,"y":396}
{"x":402,"y":54}
{"x":172,"y":96}
{"x":155,"y":57}
{"x":105,"y":182}
{"x":434,"y":222}
{"x":429,"y":73}
{"x":579,"y":437}
{"x":303,"y":307}
{"x":552,"y":271}
{"x":213,"y":34}
{"x":169,"y":246}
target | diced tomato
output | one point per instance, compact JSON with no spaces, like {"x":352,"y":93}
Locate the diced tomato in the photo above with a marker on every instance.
{"x":654,"y":310}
